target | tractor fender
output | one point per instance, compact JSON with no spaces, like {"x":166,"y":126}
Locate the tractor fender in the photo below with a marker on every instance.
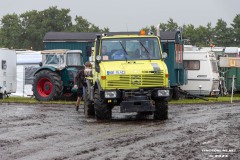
{"x":53,"y":69}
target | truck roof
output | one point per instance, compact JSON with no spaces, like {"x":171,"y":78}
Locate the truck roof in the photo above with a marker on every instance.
{"x":90,"y":36}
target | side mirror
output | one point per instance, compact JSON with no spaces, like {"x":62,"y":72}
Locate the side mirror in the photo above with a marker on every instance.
{"x":88,"y":51}
{"x":164,"y":55}
{"x":40,"y":64}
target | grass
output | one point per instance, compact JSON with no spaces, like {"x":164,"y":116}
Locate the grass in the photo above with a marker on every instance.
{"x":29,"y":100}
{"x":227,"y":98}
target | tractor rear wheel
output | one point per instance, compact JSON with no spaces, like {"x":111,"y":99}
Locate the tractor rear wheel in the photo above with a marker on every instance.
{"x":47,"y":86}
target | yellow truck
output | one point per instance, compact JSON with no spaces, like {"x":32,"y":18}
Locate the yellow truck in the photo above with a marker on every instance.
{"x":128,"y":71}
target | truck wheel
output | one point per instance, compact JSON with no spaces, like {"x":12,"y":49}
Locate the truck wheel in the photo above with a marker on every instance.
{"x":102,"y":110}
{"x":47,"y":86}
{"x":176,"y":93}
{"x":88,"y":105}
{"x":161,"y":109}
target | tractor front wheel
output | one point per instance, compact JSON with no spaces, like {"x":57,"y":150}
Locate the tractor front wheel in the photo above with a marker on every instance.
{"x":47,"y":86}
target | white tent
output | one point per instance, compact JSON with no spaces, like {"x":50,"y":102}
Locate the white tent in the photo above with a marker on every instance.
{"x":27,"y":63}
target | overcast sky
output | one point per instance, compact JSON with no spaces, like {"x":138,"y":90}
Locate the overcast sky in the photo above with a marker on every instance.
{"x":132,"y":15}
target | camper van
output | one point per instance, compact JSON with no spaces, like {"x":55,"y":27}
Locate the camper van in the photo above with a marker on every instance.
{"x":8,"y":80}
{"x":203,"y":75}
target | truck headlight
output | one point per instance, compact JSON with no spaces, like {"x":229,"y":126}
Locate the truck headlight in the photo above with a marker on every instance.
{"x":110,"y":94}
{"x":163,"y":93}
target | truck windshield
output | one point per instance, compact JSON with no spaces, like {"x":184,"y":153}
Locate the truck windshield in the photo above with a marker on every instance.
{"x":130,"y":49}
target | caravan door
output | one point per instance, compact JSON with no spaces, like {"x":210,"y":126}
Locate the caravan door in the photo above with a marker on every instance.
{"x":7,"y":71}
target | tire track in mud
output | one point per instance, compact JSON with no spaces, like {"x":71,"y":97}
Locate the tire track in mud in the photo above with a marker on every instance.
{"x":58,"y":132}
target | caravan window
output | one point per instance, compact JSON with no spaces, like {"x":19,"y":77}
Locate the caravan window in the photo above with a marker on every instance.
{"x":4,"y":64}
{"x":191,"y":64}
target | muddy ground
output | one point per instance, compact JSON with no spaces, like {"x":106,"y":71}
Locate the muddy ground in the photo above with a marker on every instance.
{"x":58,"y":132}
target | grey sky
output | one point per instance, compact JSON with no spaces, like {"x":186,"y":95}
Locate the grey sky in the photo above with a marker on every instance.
{"x":132,"y":15}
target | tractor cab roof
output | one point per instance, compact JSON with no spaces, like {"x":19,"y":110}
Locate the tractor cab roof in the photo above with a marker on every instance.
{"x":60,"y":51}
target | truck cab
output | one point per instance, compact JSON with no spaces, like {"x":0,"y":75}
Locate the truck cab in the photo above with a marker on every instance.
{"x":128,"y":70}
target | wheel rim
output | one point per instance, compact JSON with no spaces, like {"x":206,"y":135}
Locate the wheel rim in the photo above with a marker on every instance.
{"x":44,"y":87}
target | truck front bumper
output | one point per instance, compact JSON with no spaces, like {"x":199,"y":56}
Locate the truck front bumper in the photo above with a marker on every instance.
{"x":140,"y":100}
{"x":136,"y":106}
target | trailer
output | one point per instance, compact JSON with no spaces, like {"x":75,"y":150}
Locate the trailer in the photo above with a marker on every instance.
{"x":8,"y":81}
{"x":203,"y":75}
{"x":173,"y":44}
{"x":229,"y":68}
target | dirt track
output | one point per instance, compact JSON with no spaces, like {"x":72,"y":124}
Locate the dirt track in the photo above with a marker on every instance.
{"x":32,"y":132}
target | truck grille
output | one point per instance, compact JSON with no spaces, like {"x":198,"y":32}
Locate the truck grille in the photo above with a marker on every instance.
{"x":135,"y":81}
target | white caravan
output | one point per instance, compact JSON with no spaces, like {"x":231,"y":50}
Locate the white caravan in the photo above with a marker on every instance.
{"x":203,"y":75}
{"x":8,"y":80}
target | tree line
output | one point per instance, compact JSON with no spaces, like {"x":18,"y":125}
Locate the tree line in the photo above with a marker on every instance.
{"x":27,"y":30}
{"x":204,"y":36}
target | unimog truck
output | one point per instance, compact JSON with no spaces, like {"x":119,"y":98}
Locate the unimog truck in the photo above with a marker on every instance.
{"x":128,"y":71}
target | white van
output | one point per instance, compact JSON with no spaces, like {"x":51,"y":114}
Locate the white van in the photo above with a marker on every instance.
{"x":8,"y":81}
{"x":203,"y":75}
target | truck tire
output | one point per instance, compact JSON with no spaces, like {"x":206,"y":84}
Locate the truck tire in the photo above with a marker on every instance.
{"x":88,"y":104}
{"x":102,"y":110}
{"x":47,"y":86}
{"x":176,"y":93}
{"x":161,"y":109}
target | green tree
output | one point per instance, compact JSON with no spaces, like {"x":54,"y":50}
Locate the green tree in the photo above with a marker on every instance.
{"x":37,"y":24}
{"x":209,"y":34}
{"x":82,"y":25}
{"x":32,"y":30}
{"x":152,"y":29}
{"x":11,"y":31}
{"x":236,"y":30}
{"x":1,"y":35}
{"x":222,"y":34}
{"x":54,"y":19}
{"x":169,"y":26}
{"x":190,"y":34}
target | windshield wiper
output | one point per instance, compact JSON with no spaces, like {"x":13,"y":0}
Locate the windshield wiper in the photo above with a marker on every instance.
{"x":148,"y":53}
{"x":125,"y":55}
